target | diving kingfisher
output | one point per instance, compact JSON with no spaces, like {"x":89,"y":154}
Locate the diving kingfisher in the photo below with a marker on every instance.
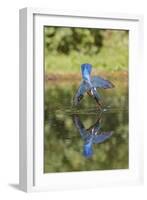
{"x":89,"y":85}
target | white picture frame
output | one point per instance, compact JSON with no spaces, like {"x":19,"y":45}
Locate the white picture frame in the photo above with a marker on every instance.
{"x":31,"y":175}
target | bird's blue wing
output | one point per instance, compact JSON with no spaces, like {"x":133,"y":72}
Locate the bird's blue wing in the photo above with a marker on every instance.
{"x":102,"y":137}
{"x":99,"y":82}
{"x":84,"y":87}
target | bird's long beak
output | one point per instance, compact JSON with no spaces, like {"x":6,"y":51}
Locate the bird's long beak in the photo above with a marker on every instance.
{"x":99,"y":104}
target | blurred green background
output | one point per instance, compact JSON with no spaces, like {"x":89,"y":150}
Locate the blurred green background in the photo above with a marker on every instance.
{"x":65,"y":49}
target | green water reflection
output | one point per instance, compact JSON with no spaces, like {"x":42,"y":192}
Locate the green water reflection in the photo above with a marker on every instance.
{"x":63,"y":144}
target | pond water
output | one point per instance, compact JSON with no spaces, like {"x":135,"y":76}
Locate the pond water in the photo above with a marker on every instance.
{"x":83,"y":138}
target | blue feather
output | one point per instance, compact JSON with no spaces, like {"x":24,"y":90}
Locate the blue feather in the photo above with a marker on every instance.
{"x":99,"y":82}
{"x":86,"y":71}
{"x":87,"y":150}
{"x":102,"y":137}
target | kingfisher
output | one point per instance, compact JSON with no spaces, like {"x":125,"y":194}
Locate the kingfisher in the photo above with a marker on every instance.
{"x":92,"y":135}
{"x":89,"y":85}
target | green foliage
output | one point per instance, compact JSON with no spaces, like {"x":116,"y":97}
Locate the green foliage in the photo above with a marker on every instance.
{"x":67,"y":48}
{"x":65,"y":40}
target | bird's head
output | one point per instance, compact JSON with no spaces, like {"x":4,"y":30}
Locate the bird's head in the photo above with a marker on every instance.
{"x":86,"y":71}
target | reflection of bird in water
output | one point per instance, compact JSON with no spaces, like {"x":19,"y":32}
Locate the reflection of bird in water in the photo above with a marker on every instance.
{"x":92,"y":135}
{"x":90,"y":85}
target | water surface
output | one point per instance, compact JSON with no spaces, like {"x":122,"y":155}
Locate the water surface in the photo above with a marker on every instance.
{"x":64,"y":149}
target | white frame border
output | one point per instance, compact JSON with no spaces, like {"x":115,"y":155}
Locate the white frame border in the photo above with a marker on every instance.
{"x":27,"y":166}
